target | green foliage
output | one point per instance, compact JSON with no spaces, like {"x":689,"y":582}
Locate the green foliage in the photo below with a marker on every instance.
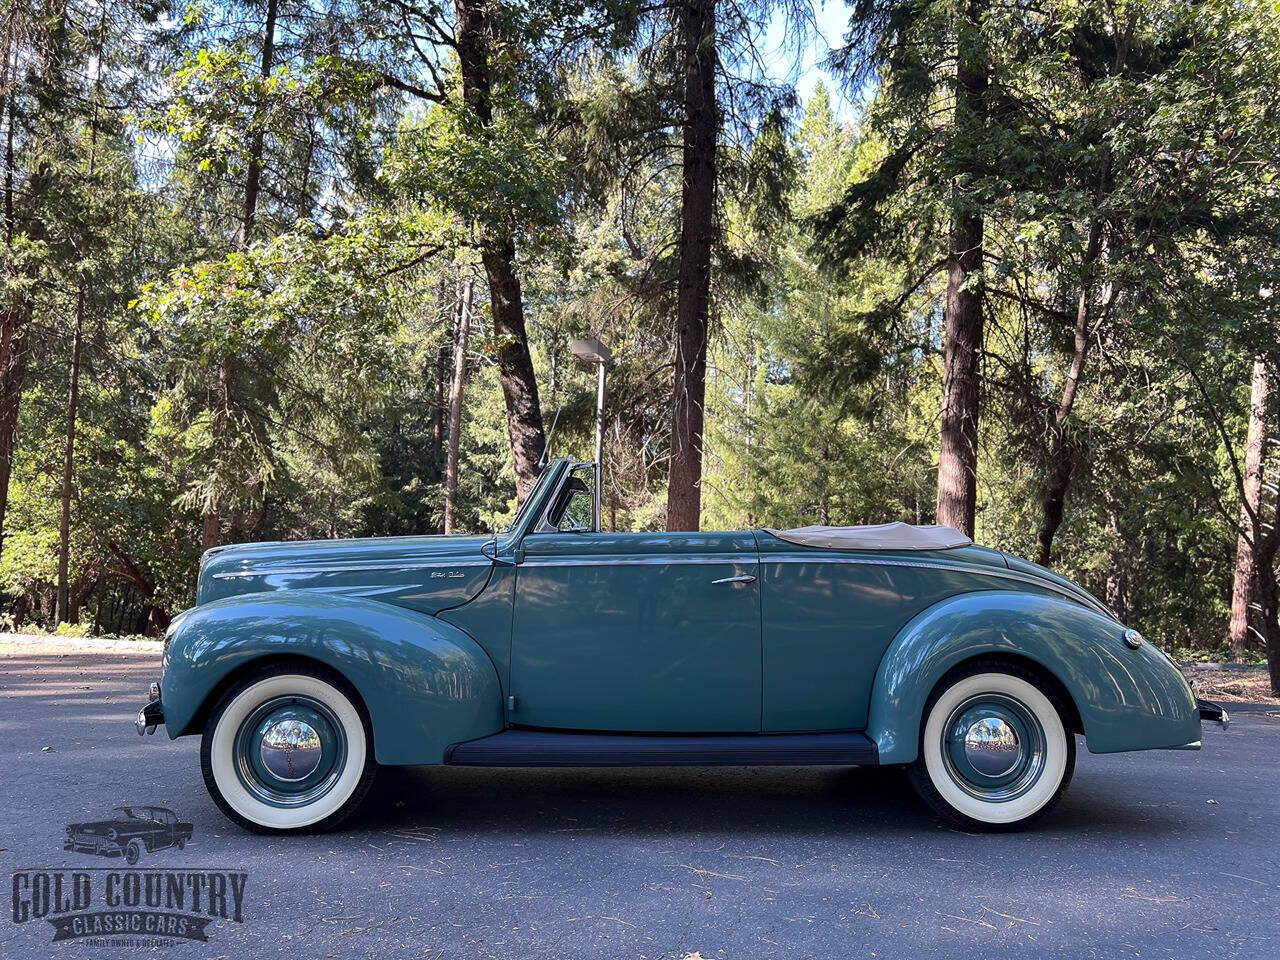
{"x":503,"y":178}
{"x":295,"y":375}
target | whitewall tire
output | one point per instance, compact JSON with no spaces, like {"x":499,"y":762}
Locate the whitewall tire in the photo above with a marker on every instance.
{"x":288,"y":749}
{"x":996,"y":747}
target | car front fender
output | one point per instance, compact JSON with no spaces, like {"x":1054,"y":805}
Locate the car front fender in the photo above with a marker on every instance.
{"x":1127,"y":699}
{"x":426,"y":683}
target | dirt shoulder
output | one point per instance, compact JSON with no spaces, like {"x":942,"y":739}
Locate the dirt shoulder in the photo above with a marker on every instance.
{"x":24,"y":643}
{"x":1231,"y":683}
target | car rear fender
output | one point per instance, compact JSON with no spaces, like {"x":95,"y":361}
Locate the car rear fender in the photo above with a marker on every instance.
{"x":1127,"y":699}
{"x":425,"y":683}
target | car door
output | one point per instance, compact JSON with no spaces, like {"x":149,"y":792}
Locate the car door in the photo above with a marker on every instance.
{"x":828,"y":618}
{"x":642,"y":632}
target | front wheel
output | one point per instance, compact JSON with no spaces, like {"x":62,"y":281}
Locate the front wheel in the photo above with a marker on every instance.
{"x":996,"y":749}
{"x":133,"y":852}
{"x":288,"y":749}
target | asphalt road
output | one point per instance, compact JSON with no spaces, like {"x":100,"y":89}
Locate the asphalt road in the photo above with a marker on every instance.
{"x":1162,"y":854}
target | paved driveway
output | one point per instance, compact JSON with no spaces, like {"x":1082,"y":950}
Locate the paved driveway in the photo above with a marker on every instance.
{"x":1163,"y":854}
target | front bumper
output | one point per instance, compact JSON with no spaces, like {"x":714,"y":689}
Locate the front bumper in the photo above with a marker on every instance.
{"x":151,"y":715}
{"x":1213,"y":713}
{"x":96,"y":845}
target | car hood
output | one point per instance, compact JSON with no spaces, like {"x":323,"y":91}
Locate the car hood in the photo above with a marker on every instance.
{"x":347,"y":564}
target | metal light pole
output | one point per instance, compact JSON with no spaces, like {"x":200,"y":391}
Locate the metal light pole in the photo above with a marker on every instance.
{"x":593,"y":351}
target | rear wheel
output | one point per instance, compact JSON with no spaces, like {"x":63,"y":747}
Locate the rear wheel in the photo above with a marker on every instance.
{"x":288,"y":749}
{"x":996,"y":748}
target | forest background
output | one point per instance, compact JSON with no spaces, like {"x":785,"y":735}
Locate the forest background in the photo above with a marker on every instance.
{"x":283,"y":269}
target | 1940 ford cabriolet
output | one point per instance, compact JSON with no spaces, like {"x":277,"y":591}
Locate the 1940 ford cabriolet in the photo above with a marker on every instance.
{"x":305,"y":665}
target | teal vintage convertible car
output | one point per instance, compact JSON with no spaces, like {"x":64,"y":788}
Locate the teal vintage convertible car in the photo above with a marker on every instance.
{"x":306,"y":665}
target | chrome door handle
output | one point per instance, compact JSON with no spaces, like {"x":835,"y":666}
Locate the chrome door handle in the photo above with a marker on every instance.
{"x":745,"y":578}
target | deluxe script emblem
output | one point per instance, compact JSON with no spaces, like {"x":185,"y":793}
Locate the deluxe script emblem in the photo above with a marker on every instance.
{"x":450,"y":575}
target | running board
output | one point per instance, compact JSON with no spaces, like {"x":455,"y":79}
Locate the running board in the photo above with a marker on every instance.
{"x":545,"y":748}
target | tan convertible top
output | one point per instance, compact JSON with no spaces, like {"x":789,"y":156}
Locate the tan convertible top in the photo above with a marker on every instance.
{"x":879,"y":536}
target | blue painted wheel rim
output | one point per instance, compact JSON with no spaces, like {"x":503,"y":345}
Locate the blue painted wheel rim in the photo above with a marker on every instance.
{"x":276,"y":751}
{"x":993,"y":747}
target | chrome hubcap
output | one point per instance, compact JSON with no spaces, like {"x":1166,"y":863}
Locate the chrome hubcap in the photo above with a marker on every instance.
{"x":993,"y":747}
{"x":291,"y":750}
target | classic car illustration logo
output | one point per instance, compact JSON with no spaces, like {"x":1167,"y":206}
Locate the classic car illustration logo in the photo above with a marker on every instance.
{"x":123,"y":907}
{"x":129,"y":833}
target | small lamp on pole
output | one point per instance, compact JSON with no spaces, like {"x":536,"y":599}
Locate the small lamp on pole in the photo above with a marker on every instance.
{"x":592,"y":351}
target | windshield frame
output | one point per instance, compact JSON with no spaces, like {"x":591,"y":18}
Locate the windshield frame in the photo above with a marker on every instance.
{"x":528,"y":501}
{"x":558,"y":505}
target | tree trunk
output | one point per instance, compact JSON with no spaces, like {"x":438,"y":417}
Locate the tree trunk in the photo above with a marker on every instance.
{"x":439,"y":424}
{"x":697,"y":236}
{"x":9,"y":319}
{"x":13,"y":346}
{"x":1269,"y":608}
{"x":1117,"y":567}
{"x":1245,"y":583}
{"x":958,"y":446}
{"x":97,"y":607}
{"x":498,"y":253}
{"x":67,"y":606}
{"x":10,"y":108}
{"x":515,"y":366}
{"x":1268,"y":593}
{"x":455,"y":405}
{"x":253,"y":173}
{"x":13,"y":321}
{"x":63,"y":609}
{"x":1062,"y":455}
{"x":157,"y":619}
{"x":211,"y":526}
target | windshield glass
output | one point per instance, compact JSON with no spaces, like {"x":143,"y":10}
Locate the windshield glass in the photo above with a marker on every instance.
{"x":533,"y":494}
{"x":573,"y":511}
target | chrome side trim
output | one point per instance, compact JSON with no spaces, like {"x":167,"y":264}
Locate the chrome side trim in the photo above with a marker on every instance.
{"x":1193,"y":745}
{"x":350,"y":568}
{"x":628,"y":561}
{"x":939,"y":565}
{"x":606,"y":560}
